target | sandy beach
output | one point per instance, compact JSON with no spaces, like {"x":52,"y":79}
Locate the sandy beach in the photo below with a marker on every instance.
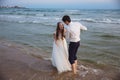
{"x":17,"y":63}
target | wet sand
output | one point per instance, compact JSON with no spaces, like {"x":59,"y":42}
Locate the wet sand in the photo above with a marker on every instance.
{"x":17,"y":62}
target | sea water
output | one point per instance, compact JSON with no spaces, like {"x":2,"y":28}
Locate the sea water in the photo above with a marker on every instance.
{"x":35,"y":27}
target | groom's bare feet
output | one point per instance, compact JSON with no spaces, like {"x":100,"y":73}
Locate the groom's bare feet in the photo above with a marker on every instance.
{"x":74,"y":68}
{"x":76,"y":63}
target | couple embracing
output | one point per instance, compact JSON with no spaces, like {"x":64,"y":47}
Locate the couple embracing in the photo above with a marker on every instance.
{"x":63,"y":58}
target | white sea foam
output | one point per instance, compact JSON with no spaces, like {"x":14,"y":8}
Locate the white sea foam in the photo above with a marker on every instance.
{"x":40,"y":18}
{"x":86,"y":70}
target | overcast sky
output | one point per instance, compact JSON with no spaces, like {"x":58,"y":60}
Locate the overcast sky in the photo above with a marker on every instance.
{"x":81,"y":4}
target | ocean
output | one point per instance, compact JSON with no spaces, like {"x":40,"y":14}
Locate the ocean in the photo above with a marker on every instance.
{"x":35,"y":27}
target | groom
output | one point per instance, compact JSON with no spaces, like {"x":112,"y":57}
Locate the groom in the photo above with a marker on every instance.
{"x":73,"y":34}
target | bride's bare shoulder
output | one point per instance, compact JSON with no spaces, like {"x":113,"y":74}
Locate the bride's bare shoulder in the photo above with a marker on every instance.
{"x":54,"y":33}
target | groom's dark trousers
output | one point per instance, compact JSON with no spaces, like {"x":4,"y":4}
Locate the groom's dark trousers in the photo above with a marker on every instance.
{"x":73,"y":47}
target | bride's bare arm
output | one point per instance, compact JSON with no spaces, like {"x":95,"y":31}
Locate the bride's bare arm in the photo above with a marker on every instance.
{"x":65,"y":33}
{"x":54,"y":36}
{"x":65,"y":30}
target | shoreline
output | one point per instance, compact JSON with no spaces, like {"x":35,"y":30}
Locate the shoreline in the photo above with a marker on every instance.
{"x":21,"y":62}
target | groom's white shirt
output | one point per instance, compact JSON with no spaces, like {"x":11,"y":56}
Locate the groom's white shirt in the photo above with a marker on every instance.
{"x":73,"y":31}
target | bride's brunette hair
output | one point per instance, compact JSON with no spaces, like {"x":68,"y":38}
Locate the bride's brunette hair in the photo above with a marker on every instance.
{"x":58,"y":31}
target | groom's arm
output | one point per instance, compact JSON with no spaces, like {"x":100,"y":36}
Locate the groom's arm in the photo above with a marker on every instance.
{"x":82,"y":27}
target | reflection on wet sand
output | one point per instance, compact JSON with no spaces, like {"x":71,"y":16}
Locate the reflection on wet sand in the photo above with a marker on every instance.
{"x":17,"y":64}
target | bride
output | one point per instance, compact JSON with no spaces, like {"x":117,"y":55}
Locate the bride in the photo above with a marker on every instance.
{"x":60,"y":50}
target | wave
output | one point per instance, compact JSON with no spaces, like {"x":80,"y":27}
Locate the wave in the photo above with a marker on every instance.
{"x":31,"y":20}
{"x":104,"y":20}
{"x":73,"y":12}
{"x":41,"y":18}
{"x":76,"y":14}
{"x":37,"y":22}
{"x":87,"y":20}
{"x":42,"y":10}
{"x":24,"y":14}
{"x":109,"y":36}
{"x":35,"y":14}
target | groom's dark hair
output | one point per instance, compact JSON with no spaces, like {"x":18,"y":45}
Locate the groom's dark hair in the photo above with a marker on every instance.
{"x":66,"y":18}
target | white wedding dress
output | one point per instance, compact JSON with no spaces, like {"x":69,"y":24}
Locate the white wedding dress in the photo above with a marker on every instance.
{"x":60,"y":56}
